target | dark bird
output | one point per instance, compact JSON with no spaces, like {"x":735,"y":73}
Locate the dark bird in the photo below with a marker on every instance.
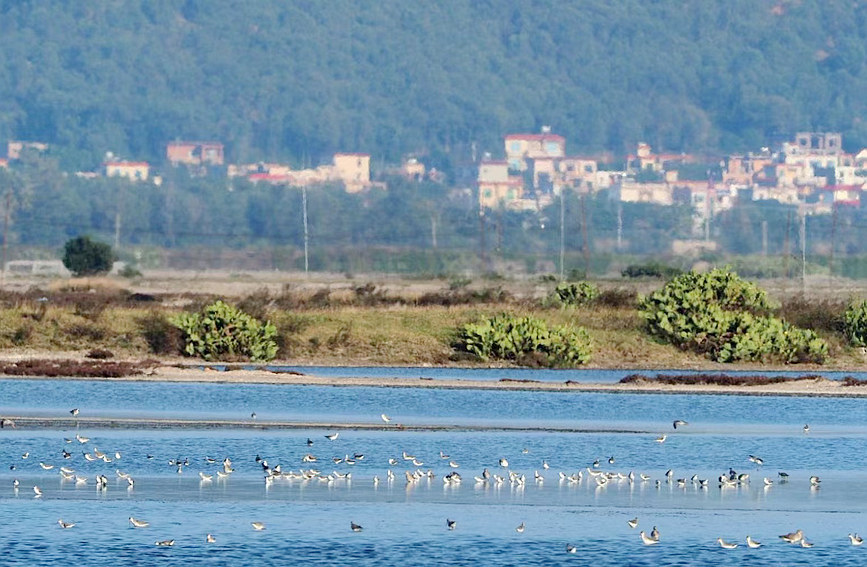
{"x":679,"y":423}
{"x":355,"y":527}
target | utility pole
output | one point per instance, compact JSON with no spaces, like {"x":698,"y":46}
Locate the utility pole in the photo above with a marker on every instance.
{"x":6,"y":231}
{"x":306,"y":234}
{"x":482,"y":258}
{"x":764,"y":238}
{"x":562,"y":232}
{"x":786,"y":249}
{"x":584,"y":237}
{"x":804,"y":253}
{"x":619,"y":225}
{"x":833,"y":240}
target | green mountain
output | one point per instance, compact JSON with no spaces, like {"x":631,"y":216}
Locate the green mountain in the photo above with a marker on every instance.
{"x":298,"y":80}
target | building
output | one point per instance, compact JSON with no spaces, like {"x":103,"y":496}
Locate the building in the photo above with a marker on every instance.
{"x":14,"y":148}
{"x":195,"y":153}
{"x":522,"y":148}
{"x":353,"y":169}
{"x":496,"y":186}
{"x":132,"y":170}
{"x":4,"y":163}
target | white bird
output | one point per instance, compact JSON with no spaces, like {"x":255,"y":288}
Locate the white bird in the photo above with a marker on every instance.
{"x":571,"y":548}
{"x":453,"y":464}
{"x":520,"y":529}
{"x":333,"y":436}
{"x":806,"y":428}
{"x":258,"y":526}
{"x":805,"y":543}
{"x":725,"y":545}
{"x":25,"y":455}
{"x":767,"y":481}
{"x":65,"y":525}
{"x":210,"y":539}
{"x":385,"y":418}
{"x":855,"y":539}
{"x":504,"y":463}
{"x":165,"y":543}
{"x":205,"y":477}
{"x":814,"y":480}
{"x":661,"y":438}
{"x":633,"y":522}
{"x":46,"y":467}
{"x":37,"y":491}
{"x":74,"y":411}
{"x":647,"y":540}
{"x":753,"y":544}
{"x":81,"y":439}
{"x":138,"y":523}
{"x":545,"y":465}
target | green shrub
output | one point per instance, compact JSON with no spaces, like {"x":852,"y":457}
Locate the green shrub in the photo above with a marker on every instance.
{"x":224,"y":332}
{"x":505,"y":337}
{"x":726,"y":318}
{"x":855,"y":323}
{"x":85,"y":257}
{"x":574,"y":294}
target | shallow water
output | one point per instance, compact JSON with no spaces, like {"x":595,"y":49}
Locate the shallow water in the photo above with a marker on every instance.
{"x":308,"y":521}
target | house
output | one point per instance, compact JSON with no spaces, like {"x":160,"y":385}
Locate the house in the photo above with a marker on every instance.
{"x":353,"y":169}
{"x":4,"y":163}
{"x":576,"y":171}
{"x":195,"y":153}
{"x":496,"y":186}
{"x":523,"y":147}
{"x":14,"y":148}
{"x":629,"y":191}
{"x":132,"y":170}
{"x":413,"y":169}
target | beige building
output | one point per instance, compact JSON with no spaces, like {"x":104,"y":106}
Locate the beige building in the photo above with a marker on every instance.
{"x":195,"y":153}
{"x":496,"y":186}
{"x":14,"y":148}
{"x":353,"y":170}
{"x":520,"y":148}
{"x":132,"y":170}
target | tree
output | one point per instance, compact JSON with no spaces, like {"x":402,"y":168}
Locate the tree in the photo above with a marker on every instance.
{"x":85,"y":257}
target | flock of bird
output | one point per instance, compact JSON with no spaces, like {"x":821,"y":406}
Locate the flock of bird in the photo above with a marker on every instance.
{"x":308,"y":473}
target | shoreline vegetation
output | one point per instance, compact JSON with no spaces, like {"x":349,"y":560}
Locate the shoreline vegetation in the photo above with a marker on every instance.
{"x":117,"y":329}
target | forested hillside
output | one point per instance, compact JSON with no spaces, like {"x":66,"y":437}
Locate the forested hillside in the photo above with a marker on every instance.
{"x":298,"y":80}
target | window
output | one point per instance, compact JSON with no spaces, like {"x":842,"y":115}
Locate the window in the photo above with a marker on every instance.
{"x":514,"y":146}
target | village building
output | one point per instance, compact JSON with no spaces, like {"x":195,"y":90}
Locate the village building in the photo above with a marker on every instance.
{"x":194,"y":153}
{"x":132,"y":170}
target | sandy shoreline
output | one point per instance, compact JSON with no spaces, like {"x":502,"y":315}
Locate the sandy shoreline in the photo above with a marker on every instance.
{"x":818,"y":387}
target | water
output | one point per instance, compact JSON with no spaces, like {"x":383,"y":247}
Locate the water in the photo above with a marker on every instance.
{"x":308,"y":521}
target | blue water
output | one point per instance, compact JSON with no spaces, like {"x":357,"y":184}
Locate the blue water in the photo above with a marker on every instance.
{"x":404,"y":524}
{"x":598,"y":375}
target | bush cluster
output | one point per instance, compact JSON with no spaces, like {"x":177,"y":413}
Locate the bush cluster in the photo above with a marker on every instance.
{"x":574,"y":294}
{"x":726,"y":318}
{"x":525,"y":340}
{"x":855,"y":323}
{"x":224,"y":332}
